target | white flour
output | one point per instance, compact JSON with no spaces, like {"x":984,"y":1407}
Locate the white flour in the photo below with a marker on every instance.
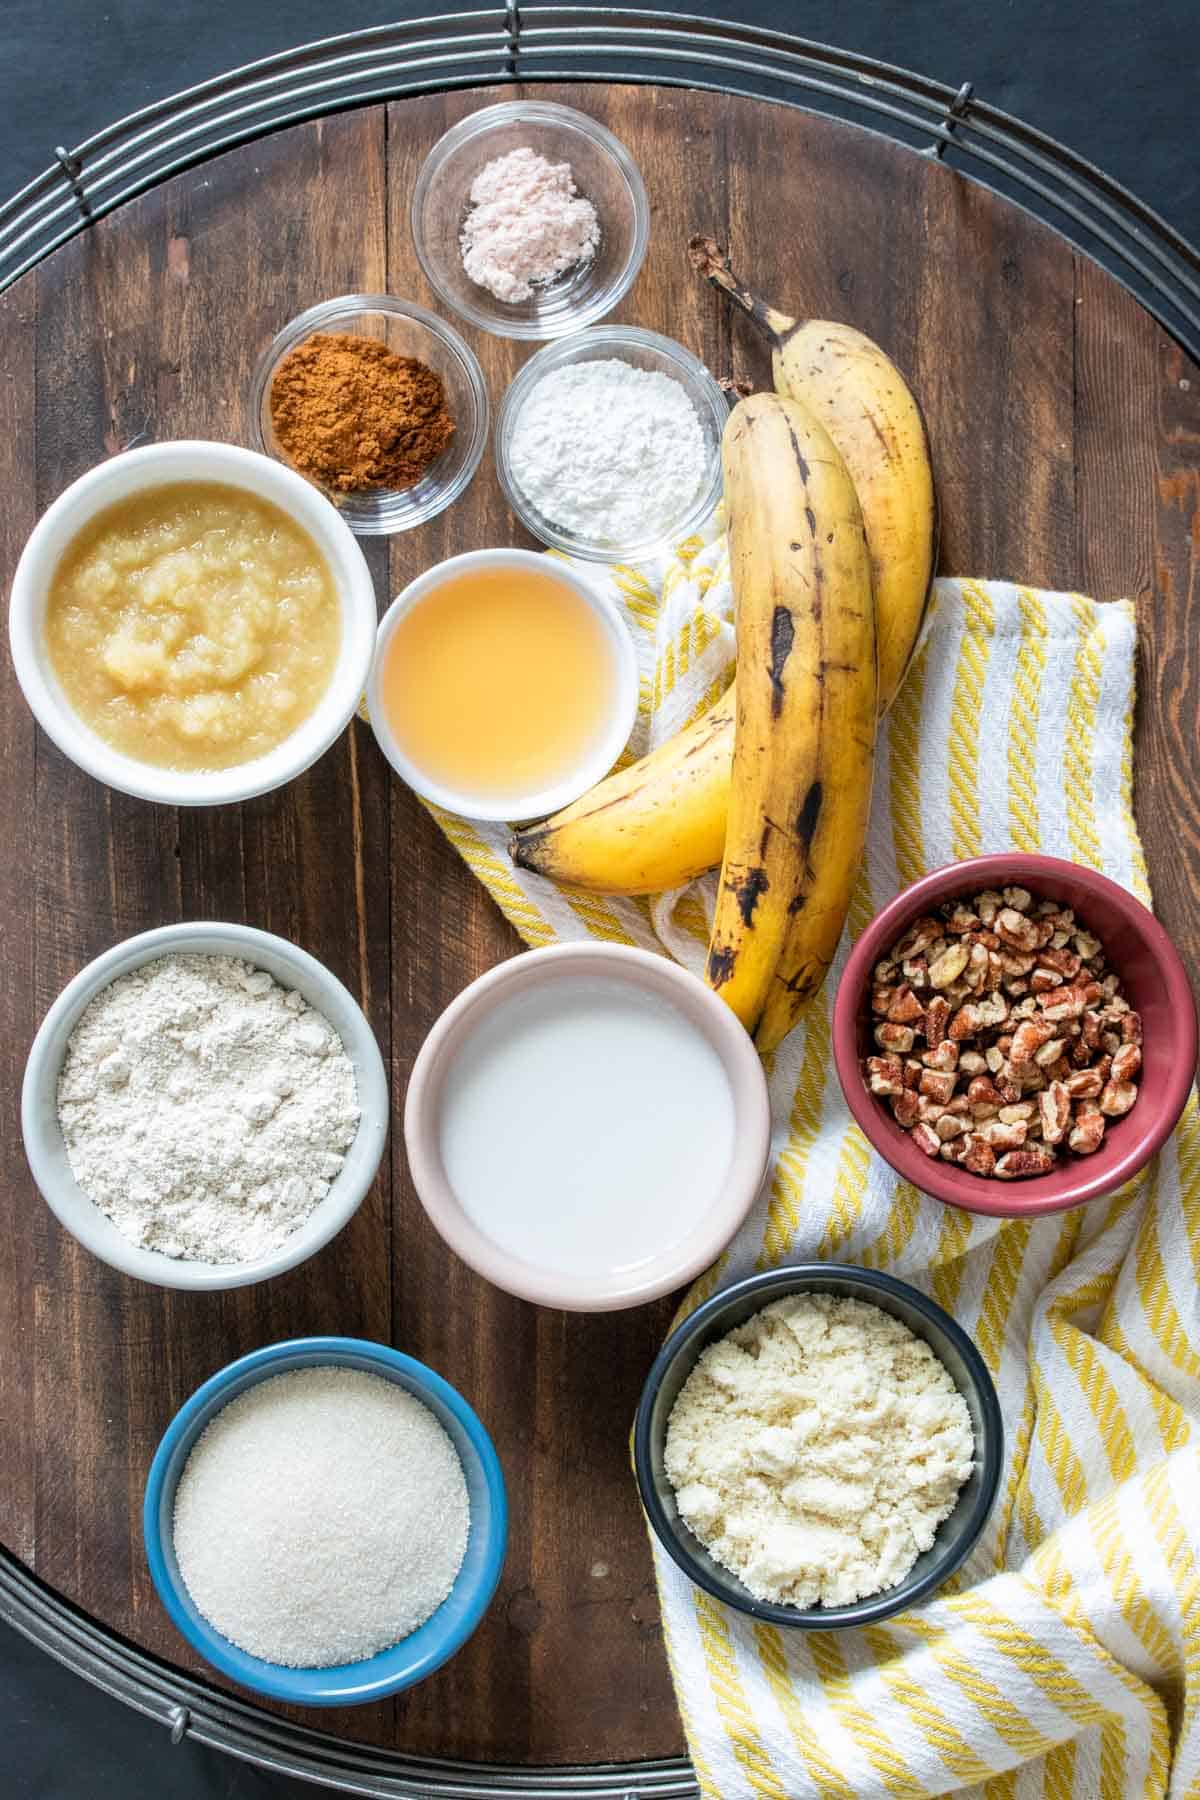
{"x":205,"y":1108}
{"x":608,"y":452}
{"x":817,"y":1448}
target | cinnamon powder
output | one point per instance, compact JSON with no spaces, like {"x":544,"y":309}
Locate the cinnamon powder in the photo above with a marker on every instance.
{"x":350,"y":413}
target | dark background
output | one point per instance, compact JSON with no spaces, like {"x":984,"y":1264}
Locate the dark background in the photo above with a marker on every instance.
{"x":1114,"y":83}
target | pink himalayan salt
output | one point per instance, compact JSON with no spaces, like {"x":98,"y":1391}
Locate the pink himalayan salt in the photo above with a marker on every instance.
{"x":527,"y":225}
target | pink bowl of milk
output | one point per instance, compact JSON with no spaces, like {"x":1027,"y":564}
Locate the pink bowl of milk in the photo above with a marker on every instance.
{"x":587,"y":1125}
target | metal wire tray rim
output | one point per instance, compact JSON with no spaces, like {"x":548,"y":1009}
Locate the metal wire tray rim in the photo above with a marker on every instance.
{"x":460,"y":48}
{"x":455,"y":48}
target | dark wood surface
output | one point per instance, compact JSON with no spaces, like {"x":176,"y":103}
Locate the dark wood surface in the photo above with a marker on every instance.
{"x":1065,"y":427}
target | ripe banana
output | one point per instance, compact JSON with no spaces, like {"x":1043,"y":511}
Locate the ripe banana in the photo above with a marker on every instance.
{"x":656,"y":825}
{"x":807,"y":689}
{"x":649,"y":827}
{"x":866,"y":406}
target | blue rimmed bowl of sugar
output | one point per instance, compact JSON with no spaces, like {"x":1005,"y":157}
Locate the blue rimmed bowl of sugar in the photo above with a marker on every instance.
{"x":338,"y":1560}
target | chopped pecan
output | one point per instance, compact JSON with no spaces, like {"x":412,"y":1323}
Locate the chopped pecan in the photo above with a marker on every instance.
{"x":1017,"y":1112}
{"x":943,"y":1058}
{"x":1126,"y":1062}
{"x":913,"y":1071}
{"x":1117,"y":1098}
{"x":1088,"y":1132}
{"x":1060,"y":962}
{"x":970,"y":1062}
{"x":920,"y":934}
{"x":1087,"y":945}
{"x":895,"y":1037}
{"x":938,"y":1087}
{"x":885,"y":971}
{"x":926,"y":1139}
{"x":904,"y":1007}
{"x":988,"y":904}
{"x":1028,"y":1039}
{"x":1017,"y":931}
{"x":916,"y":970}
{"x":982,"y":1096}
{"x":937,"y":1018}
{"x":1001,"y":1136}
{"x":950,"y":1125}
{"x":1083,"y":1084}
{"x":948,"y":966}
{"x":1042,"y":980}
{"x":1054,"y":1111}
{"x":1035,"y":1160}
{"x":979,"y":1158}
{"x":907,"y":1108}
{"x":962,"y":919}
{"x":978,"y":970}
{"x":1070,"y":1002}
{"x":1049,"y":1052}
{"x":885,"y":1075}
{"x":1131,"y":1028}
{"x":1019,"y":898}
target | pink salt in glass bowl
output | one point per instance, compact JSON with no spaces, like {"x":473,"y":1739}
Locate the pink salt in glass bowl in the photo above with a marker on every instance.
{"x":1153,"y":980}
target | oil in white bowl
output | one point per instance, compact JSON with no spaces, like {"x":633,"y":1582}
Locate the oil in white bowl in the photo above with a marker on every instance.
{"x":587,"y":1126}
{"x":499,"y":682}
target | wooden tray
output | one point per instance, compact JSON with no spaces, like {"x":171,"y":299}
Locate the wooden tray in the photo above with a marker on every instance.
{"x":1065,"y":425}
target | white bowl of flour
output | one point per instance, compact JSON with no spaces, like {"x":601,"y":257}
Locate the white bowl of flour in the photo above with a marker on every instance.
{"x":224,"y":1051}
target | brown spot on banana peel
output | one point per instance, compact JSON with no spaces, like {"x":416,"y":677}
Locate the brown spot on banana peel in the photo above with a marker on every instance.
{"x":721,"y":963}
{"x":783,"y":636}
{"x":748,"y":889}
{"x":808,"y":817}
{"x":801,"y":461}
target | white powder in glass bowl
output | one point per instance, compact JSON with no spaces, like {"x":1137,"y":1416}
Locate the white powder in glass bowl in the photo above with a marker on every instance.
{"x":609,"y":452}
{"x":527,"y":225}
{"x":816,"y":1449}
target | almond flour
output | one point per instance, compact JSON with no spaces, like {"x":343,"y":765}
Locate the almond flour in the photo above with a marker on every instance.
{"x":816,"y":1449}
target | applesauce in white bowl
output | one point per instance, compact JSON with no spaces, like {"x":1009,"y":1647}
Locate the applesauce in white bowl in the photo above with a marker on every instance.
{"x":192,"y":623}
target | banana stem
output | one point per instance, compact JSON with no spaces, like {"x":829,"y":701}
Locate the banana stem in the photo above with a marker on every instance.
{"x":708,"y":259}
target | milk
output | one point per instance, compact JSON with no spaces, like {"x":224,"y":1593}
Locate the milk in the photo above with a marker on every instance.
{"x":586,"y":1126}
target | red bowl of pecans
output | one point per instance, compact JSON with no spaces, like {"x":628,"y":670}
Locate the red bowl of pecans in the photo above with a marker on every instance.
{"x":1015,"y":1034}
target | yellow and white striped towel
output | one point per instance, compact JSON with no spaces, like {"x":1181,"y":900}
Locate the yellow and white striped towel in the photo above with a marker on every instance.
{"x":1064,"y":1659}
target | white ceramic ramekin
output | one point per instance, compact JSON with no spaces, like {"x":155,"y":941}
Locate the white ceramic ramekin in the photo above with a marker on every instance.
{"x":47,"y":1154}
{"x":538,"y":803}
{"x":713,"y":1227}
{"x":155,"y":465}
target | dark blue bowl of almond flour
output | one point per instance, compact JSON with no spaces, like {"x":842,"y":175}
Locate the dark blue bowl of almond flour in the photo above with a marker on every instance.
{"x":957,"y":1535}
{"x":431,"y":1644}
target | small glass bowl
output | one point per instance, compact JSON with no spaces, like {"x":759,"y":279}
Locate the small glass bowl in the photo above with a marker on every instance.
{"x":409,"y":331}
{"x":605,"y":174}
{"x":645,"y":350}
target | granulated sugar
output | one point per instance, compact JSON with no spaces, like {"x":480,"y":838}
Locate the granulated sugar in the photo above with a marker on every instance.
{"x":321,"y":1517}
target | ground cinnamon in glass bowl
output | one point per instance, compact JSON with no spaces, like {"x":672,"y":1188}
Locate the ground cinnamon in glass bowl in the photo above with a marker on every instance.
{"x":351,"y":414}
{"x":379,"y":403}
